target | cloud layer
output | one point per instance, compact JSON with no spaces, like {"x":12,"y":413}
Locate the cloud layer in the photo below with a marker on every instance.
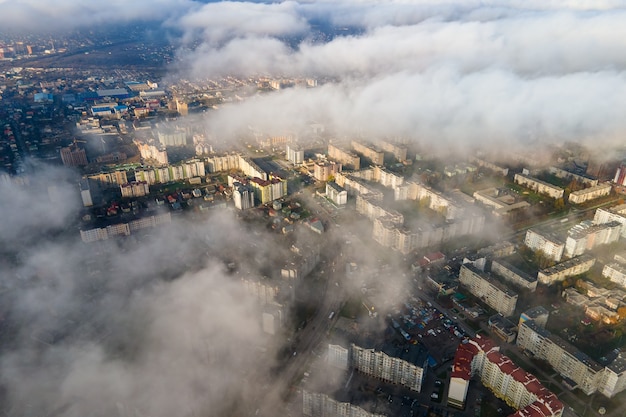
{"x":463,"y":74}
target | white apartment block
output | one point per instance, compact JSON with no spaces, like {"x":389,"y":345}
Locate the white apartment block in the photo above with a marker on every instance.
{"x":569,"y":268}
{"x":390,"y":234}
{"x":514,"y":275}
{"x":223,"y":163}
{"x":615,"y":213}
{"x":372,"y":209}
{"x":549,"y":244}
{"x":584,"y":237}
{"x":597,"y":191}
{"x":294,"y":154}
{"x":243,"y":196}
{"x":336,"y":193}
{"x":539,"y":186}
{"x":236,"y":162}
{"x":355,"y":186}
{"x":161,"y":175}
{"x":321,"y":405}
{"x":616,"y":273}
{"x":369,"y":151}
{"x":338,"y":356}
{"x":569,"y":362}
{"x":265,"y":292}
{"x":521,"y":390}
{"x":490,"y":291}
{"x":152,"y":152}
{"x":377,"y":364}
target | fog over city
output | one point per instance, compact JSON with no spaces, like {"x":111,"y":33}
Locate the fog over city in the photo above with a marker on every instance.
{"x":158,"y":326}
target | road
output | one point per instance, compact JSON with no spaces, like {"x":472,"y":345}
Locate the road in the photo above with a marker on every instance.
{"x":307,"y":340}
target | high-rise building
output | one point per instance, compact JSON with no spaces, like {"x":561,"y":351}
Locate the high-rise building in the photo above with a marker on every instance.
{"x":323,"y":171}
{"x":294,"y":154}
{"x":520,"y":390}
{"x":73,"y":156}
{"x":243,"y":196}
{"x":485,"y":287}
{"x":620,"y":174}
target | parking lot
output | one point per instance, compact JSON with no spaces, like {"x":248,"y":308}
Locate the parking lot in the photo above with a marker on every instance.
{"x":427,"y":325}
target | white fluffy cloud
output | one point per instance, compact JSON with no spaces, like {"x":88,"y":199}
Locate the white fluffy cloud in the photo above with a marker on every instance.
{"x":454,"y":72}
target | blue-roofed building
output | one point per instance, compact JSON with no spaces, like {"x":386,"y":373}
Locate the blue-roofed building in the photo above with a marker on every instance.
{"x":42,"y":97}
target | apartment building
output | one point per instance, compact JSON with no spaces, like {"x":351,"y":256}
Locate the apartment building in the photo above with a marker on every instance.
{"x":369,"y":151}
{"x":243,"y":196}
{"x":559,"y":272}
{"x":521,"y":390}
{"x":73,"y":156}
{"x":380,"y":175}
{"x":398,"y":151}
{"x":236,"y":162}
{"x":597,"y":191}
{"x":110,"y":179}
{"x":404,"y":366}
{"x":372,"y":208}
{"x":616,"y":273}
{"x":161,"y":175}
{"x":565,"y":174}
{"x":355,"y":185}
{"x":152,"y":152}
{"x":489,"y":290}
{"x":586,"y":236}
{"x":223,"y":163}
{"x":345,"y":157}
{"x":551,"y":245}
{"x":268,"y":190}
{"x":124,"y":229}
{"x":321,"y":405}
{"x":338,"y":356}
{"x":490,"y":165}
{"x":391,"y":234}
{"x":294,"y":154}
{"x":539,"y":186}
{"x":514,"y":275}
{"x":135,"y":189}
{"x":500,"y":200}
{"x":583,"y":372}
{"x":336,"y":193}
{"x":436,"y":201}
{"x":323,"y":170}
{"x":615,"y":213}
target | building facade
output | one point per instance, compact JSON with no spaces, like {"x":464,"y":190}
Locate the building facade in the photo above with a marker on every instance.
{"x":539,"y":186}
{"x":494,"y":294}
{"x":549,"y":244}
{"x":568,"y":361}
{"x":369,"y":151}
{"x":336,"y":193}
{"x":597,"y":191}
{"x":73,"y":156}
{"x":521,"y":390}
{"x":559,"y":272}
{"x":321,"y":405}
{"x":344,"y":157}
